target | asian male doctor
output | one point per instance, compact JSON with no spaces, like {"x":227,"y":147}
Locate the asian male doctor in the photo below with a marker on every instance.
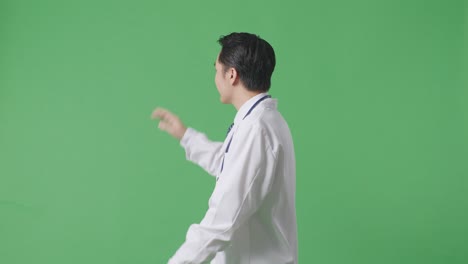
{"x":251,"y":217}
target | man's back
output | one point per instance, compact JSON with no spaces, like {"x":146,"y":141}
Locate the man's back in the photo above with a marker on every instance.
{"x":251,"y":217}
{"x":270,"y":234}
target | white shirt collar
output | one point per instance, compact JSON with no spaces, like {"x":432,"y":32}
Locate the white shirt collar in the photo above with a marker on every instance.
{"x":246,"y":107}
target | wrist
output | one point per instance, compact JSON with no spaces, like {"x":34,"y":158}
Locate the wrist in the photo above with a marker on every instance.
{"x":181,"y":135}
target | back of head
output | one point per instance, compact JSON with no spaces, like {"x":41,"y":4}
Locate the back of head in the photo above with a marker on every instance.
{"x":252,"y":57}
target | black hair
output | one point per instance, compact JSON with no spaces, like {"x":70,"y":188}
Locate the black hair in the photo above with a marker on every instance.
{"x":252,"y":57}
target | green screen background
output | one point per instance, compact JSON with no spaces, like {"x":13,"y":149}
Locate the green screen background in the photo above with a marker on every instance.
{"x":375,"y":94}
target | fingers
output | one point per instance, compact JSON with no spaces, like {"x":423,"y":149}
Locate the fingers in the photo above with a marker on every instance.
{"x":159,"y":113}
{"x":166,"y":117}
{"x":163,"y":114}
{"x":169,"y":122}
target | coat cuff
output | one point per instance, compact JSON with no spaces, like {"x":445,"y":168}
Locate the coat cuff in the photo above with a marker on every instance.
{"x":185,"y":140}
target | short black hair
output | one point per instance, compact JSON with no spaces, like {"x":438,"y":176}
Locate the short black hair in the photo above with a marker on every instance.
{"x":252,"y":57}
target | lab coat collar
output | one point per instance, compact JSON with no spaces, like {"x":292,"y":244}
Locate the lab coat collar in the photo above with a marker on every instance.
{"x":246,"y":107}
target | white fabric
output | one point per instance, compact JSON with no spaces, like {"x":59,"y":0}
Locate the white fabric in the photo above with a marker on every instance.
{"x":251,"y":217}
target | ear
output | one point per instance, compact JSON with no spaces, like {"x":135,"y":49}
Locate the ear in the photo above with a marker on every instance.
{"x":232,"y":76}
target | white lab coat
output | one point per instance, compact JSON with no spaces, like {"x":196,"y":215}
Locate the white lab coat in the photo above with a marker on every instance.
{"x":251,"y":217}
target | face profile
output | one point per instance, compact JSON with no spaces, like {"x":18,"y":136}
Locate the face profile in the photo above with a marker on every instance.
{"x":225,"y":81}
{"x":220,"y":81}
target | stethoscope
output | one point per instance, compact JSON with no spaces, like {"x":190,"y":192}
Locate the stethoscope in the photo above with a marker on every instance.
{"x":229,"y":130}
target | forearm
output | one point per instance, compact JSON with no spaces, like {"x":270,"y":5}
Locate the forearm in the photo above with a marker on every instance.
{"x":202,"y":151}
{"x":201,"y":244}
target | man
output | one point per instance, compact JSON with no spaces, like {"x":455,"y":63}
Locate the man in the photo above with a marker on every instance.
{"x":251,"y":216}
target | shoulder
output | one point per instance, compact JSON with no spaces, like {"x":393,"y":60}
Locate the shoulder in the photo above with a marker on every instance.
{"x":264,"y":125}
{"x":266,"y":120}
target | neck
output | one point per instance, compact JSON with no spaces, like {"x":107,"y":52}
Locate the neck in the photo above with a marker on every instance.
{"x":243,"y":97}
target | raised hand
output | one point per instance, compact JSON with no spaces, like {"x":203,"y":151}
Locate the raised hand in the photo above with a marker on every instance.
{"x":169,"y":122}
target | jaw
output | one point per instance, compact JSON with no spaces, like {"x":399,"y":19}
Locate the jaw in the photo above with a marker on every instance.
{"x":224,"y":98}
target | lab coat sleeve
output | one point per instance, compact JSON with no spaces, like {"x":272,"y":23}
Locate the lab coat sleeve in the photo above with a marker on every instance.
{"x":242,"y":186}
{"x":202,"y":151}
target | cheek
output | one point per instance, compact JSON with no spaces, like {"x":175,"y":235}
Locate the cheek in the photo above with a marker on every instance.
{"x":218,"y":81}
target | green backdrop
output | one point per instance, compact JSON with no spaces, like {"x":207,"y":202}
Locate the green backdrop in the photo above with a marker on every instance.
{"x":375,"y":94}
